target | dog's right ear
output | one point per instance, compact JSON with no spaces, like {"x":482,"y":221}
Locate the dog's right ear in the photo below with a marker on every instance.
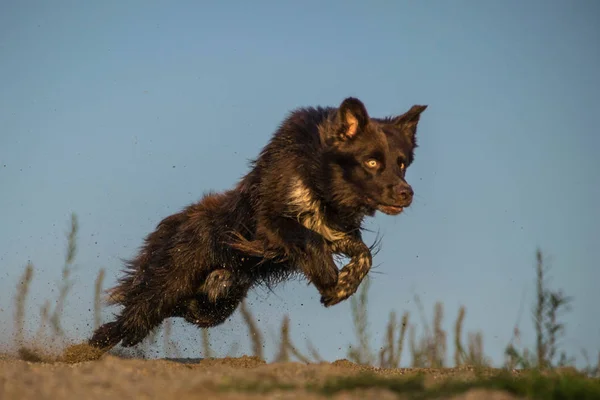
{"x":352,"y":118}
{"x":409,"y":120}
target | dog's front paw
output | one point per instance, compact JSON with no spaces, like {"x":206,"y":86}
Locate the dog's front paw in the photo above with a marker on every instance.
{"x":335,"y":297}
{"x":343,"y":290}
{"x":330,"y":299}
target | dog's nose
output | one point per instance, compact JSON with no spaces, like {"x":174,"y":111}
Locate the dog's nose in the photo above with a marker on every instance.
{"x":404,"y":192}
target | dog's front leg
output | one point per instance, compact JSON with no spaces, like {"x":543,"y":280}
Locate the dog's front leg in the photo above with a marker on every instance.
{"x":351,"y":275}
{"x":284,"y":240}
{"x":303,"y":248}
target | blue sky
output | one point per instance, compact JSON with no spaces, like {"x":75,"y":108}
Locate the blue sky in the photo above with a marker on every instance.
{"x":125,"y":112}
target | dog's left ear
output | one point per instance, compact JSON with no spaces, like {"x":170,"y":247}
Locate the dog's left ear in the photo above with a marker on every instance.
{"x":409,"y":121}
{"x":352,"y":117}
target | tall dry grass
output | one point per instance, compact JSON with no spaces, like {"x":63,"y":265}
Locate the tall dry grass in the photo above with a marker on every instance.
{"x":548,"y":328}
{"x":390,"y":354}
{"x":361,"y":353}
{"x":66,"y":283}
{"x":253,"y":330}
{"x":429,"y":350}
{"x":287,"y":349}
{"x":20,"y":301}
{"x":98,"y":299}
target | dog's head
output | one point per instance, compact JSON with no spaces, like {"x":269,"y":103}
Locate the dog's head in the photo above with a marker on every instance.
{"x":368,"y":157}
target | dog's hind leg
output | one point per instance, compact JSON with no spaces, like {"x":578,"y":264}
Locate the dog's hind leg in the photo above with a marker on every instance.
{"x":139,"y":318}
{"x":106,"y":336}
{"x":134,"y":323}
{"x":218,"y":284}
{"x":201,"y":311}
{"x":149,"y":300}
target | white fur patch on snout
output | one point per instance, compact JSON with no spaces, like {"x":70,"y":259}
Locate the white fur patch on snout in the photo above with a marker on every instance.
{"x":307,"y":209}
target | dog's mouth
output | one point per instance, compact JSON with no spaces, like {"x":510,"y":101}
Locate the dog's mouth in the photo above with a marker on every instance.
{"x":390,"y":210}
{"x":386,"y":208}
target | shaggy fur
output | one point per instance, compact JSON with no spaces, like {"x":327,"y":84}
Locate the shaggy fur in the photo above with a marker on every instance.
{"x":302,"y":202}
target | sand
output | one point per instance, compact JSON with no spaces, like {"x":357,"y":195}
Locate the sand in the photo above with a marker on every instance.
{"x":83,"y":373}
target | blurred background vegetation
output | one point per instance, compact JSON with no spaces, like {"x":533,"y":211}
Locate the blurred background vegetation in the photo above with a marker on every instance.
{"x":429,"y":350}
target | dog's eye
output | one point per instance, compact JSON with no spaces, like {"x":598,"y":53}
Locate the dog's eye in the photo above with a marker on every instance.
{"x":372,"y":163}
{"x":401,"y":163}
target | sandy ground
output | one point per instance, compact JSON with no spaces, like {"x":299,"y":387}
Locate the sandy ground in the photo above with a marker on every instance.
{"x":111,"y":377}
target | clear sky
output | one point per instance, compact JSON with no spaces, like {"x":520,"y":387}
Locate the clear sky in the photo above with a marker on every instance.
{"x":125,"y":112}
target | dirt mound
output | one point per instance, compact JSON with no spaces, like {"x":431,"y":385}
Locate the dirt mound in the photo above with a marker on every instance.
{"x":79,"y":353}
{"x":82,"y":372}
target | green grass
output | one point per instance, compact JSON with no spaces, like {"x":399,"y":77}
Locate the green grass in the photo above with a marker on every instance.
{"x":401,"y":385}
{"x":532,"y":385}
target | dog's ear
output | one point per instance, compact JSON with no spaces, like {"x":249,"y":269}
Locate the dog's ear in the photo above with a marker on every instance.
{"x":409,"y":120}
{"x":352,"y":118}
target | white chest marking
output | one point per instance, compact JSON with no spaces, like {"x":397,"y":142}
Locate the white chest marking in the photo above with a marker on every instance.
{"x":307,"y":209}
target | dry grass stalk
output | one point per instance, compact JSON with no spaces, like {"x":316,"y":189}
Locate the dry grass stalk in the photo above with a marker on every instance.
{"x":312,"y":350}
{"x":283,"y":355}
{"x":20,"y":300}
{"x":430,"y":350}
{"x":286,"y":347}
{"x":475,"y":356}
{"x":66,"y":284}
{"x":361,"y":354}
{"x":386,"y":354}
{"x":437,"y":352}
{"x":390,"y":354}
{"x":417,"y":352}
{"x":98,"y":299}
{"x":170,"y":347}
{"x":539,"y":312}
{"x":255,"y":335}
{"x":301,"y":357}
{"x":547,"y":328}
{"x":44,"y":319}
{"x":206,"y":350}
{"x":402,"y":337}
{"x":459,"y":351}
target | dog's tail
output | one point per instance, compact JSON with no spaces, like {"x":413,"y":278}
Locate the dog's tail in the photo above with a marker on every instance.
{"x":114,"y":296}
{"x":117,"y":294}
{"x":154,"y":251}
